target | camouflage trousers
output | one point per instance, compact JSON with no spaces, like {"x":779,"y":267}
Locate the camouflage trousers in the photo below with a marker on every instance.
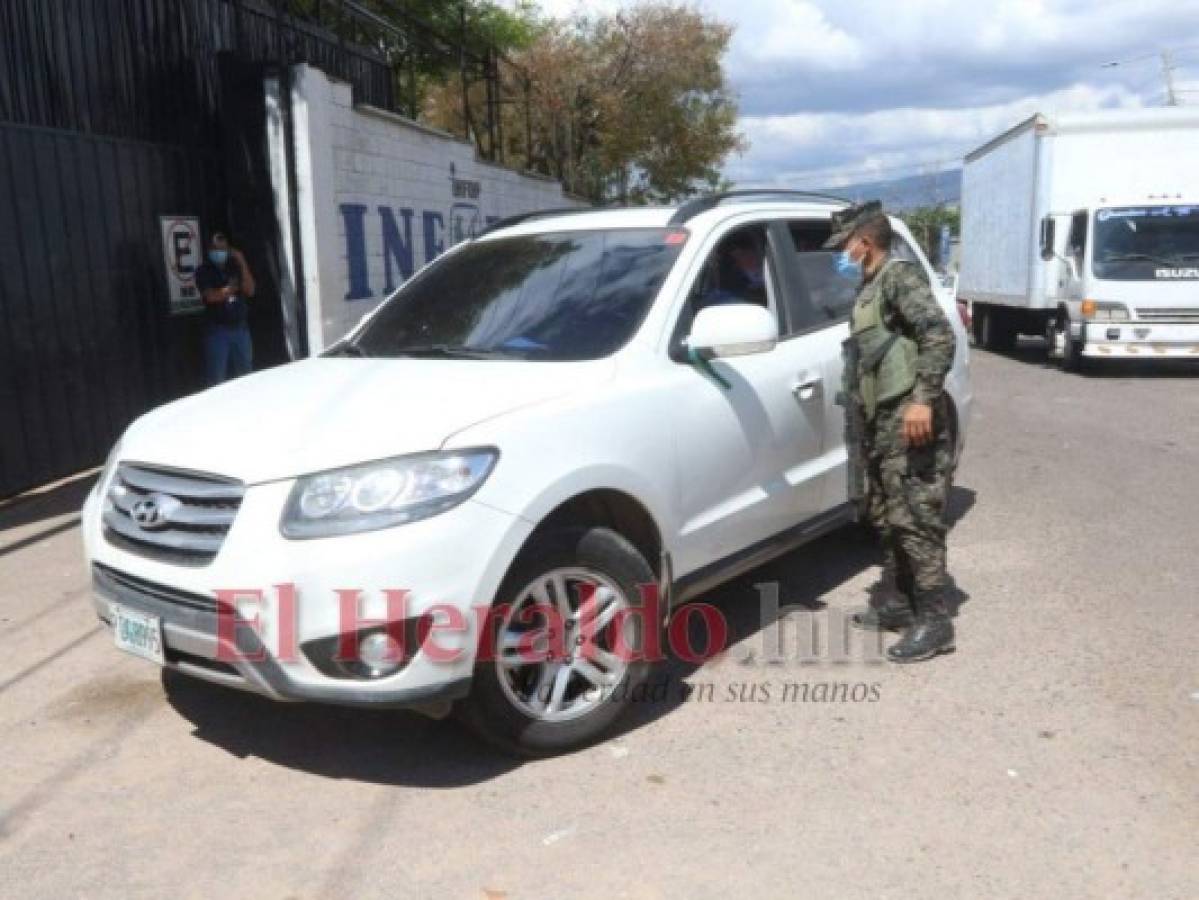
{"x":906,"y":499}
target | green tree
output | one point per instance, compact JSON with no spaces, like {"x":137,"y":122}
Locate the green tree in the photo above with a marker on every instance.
{"x":925,"y":223}
{"x":422,"y":38}
{"x":629,"y":107}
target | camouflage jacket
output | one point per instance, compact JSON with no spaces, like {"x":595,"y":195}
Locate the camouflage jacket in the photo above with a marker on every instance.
{"x":910,"y":309}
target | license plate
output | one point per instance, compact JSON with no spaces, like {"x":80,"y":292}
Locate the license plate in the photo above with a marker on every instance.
{"x":138,"y":633}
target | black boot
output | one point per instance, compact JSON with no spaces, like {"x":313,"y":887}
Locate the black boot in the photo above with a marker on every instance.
{"x":890,"y":606}
{"x":930,"y":634}
{"x":894,"y":616}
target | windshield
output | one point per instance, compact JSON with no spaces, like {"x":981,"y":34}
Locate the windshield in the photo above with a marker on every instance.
{"x":1147,"y":243}
{"x":561,"y":296}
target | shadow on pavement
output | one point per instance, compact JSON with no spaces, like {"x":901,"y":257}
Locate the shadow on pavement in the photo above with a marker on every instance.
{"x":803,"y":577}
{"x":961,"y":501}
{"x":377,"y":746}
{"x":401,"y":748}
{"x":30,"y":509}
{"x":1032,"y":351}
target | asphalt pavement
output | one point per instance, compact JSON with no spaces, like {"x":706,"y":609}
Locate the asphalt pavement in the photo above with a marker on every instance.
{"x":1053,"y":755}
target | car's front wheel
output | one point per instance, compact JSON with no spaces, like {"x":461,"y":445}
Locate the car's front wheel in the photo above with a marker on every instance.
{"x":566,"y":645}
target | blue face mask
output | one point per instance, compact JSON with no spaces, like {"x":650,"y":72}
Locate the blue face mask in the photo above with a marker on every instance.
{"x":847,"y":267}
{"x":218,"y":257}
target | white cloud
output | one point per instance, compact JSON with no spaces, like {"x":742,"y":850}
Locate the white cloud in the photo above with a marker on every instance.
{"x":828,"y":149}
{"x":770,"y":34}
{"x":831,"y":88}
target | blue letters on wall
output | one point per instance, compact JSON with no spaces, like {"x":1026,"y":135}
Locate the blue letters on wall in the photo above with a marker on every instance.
{"x":399,"y":258}
{"x":434,"y":225}
{"x":396,"y":246}
{"x":353,"y":214}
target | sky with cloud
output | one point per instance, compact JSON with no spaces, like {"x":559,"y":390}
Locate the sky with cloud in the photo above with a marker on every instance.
{"x":850,"y":91}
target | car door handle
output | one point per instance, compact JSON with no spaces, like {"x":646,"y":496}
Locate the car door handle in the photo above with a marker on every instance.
{"x":806,"y":390}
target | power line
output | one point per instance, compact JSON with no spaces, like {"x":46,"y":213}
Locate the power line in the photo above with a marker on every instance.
{"x":1166,"y":54}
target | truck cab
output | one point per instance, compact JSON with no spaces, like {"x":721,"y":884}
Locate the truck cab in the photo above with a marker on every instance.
{"x":1122,"y":278}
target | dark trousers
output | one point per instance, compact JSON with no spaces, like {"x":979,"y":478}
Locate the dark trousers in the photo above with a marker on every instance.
{"x":228,"y":352}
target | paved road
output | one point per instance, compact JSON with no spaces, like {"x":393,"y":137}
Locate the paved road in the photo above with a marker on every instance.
{"x":1052,"y":755}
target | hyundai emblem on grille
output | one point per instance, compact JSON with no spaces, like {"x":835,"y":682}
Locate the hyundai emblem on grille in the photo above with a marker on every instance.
{"x":154,"y":511}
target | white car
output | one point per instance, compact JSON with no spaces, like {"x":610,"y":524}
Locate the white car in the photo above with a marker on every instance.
{"x":491,"y":491}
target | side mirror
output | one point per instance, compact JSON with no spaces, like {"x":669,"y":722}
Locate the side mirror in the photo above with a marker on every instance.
{"x":1048,"y":229}
{"x":733,"y":329}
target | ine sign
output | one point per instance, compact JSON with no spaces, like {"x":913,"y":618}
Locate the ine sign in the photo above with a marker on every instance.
{"x":181,"y":249}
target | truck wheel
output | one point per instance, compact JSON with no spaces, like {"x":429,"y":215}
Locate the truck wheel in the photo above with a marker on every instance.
{"x":537,"y":692}
{"x":993,"y":329}
{"x":1069,"y":351}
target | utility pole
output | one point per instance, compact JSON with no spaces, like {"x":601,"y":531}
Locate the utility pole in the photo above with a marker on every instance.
{"x":1168,"y":74}
{"x":1167,"y":58}
{"x":1168,"y":66}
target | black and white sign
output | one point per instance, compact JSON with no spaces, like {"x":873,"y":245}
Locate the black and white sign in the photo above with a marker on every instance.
{"x":182,"y":251}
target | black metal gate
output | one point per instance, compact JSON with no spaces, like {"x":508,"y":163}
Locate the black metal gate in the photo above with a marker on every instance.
{"x":86,"y":343}
{"x":113,"y":113}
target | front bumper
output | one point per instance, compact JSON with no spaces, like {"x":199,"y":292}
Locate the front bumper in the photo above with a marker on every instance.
{"x":1140,"y":340}
{"x":452,"y":562}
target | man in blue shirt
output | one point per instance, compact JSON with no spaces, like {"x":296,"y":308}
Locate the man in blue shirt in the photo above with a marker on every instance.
{"x":225,"y":283}
{"x":739,"y":273}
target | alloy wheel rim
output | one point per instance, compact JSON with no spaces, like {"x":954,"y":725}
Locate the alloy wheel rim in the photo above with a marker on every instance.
{"x":559,"y":677}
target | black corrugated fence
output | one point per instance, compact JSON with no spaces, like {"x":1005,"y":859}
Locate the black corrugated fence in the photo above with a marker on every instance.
{"x":112,"y":114}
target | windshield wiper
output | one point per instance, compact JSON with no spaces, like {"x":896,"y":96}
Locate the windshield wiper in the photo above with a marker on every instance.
{"x":451,"y":351}
{"x":347,"y":348}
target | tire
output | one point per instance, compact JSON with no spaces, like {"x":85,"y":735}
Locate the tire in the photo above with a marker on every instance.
{"x":993,"y":329}
{"x":1072,"y":359}
{"x":1051,"y":338}
{"x":512,"y":700}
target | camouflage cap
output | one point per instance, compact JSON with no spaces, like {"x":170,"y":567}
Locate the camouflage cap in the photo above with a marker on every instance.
{"x":846,"y":221}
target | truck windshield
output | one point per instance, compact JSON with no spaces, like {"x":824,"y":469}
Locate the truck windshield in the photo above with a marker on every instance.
{"x":1147,"y":243}
{"x":569,"y":295}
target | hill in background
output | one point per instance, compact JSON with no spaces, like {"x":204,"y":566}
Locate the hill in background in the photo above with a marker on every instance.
{"x":912,"y":192}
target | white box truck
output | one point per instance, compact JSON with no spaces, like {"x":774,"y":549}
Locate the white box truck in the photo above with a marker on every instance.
{"x":1085,"y":228}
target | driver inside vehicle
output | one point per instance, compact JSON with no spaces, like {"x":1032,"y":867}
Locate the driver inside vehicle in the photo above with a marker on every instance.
{"x":736,"y":272}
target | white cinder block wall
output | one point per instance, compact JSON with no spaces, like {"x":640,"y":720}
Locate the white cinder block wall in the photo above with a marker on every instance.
{"x":379,"y":196}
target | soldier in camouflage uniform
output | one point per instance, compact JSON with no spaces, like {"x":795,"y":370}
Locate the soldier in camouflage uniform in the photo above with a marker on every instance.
{"x":904,"y":348}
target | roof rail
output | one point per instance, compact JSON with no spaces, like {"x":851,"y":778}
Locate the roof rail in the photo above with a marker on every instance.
{"x":693,"y":208}
{"x":509,"y":221}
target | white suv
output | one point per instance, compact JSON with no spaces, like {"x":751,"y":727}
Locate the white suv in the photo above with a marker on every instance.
{"x":490,"y":492}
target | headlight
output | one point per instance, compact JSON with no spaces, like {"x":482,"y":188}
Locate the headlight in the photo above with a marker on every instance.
{"x":382,"y":494}
{"x":1104,"y":311}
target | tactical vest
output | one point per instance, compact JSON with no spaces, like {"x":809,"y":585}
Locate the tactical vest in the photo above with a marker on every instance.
{"x":888,"y":359}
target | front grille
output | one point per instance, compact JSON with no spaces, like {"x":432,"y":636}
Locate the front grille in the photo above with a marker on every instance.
{"x":1180,"y":314}
{"x":119,"y":586}
{"x":169,"y":515}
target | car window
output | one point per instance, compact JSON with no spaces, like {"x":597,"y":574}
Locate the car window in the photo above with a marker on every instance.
{"x":739,"y":269}
{"x":901,"y":249}
{"x":821,"y":295}
{"x":558,"y":296}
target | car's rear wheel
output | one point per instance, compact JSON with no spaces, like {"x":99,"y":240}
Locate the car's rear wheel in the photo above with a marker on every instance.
{"x":566,"y":644}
